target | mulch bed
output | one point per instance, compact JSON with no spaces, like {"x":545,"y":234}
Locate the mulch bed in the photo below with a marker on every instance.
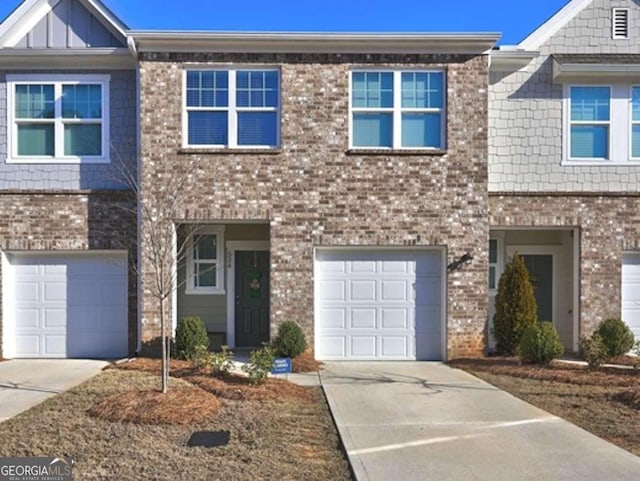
{"x":179,"y":406}
{"x":239,"y":388}
{"x":306,"y":362}
{"x":557,"y":371}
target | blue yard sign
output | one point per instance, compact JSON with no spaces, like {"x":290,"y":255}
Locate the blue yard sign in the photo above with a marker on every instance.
{"x":281,"y":365}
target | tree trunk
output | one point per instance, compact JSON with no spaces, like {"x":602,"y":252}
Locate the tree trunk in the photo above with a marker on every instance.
{"x":165,"y":354}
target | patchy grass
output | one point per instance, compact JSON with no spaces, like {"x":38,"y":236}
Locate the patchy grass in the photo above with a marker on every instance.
{"x":306,"y":362}
{"x":604,"y":402}
{"x":283,"y":439}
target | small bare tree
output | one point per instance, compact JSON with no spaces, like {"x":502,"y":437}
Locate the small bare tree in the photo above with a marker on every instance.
{"x":162,"y":250}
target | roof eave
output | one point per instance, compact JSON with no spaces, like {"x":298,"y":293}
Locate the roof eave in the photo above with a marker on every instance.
{"x":196,"y":42}
{"x":511,"y":60}
{"x":81,"y":59}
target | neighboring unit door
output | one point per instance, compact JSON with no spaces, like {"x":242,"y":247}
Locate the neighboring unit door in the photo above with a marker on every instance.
{"x":540,"y":269}
{"x":379,"y":305}
{"x":631,"y":292}
{"x":252,"y":298}
{"x":69,"y":306}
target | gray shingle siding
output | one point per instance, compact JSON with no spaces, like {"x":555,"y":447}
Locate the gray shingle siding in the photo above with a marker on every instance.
{"x":123,"y":149}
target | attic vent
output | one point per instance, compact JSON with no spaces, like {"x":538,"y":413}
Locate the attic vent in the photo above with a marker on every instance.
{"x":620,"y":23}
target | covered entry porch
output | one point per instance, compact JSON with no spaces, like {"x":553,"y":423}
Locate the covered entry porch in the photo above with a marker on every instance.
{"x":551,"y":256}
{"x":223,"y":277}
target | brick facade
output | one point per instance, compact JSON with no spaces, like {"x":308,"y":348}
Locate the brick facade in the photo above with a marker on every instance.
{"x":314,"y":192}
{"x":72,"y":221}
{"x":609,"y":225}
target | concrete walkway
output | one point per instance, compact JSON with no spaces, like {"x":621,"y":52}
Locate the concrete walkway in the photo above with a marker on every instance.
{"x":27,"y":382}
{"x":426,"y":421}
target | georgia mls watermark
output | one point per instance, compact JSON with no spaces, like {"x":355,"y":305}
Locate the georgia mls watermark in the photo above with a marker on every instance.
{"x":36,"y":469}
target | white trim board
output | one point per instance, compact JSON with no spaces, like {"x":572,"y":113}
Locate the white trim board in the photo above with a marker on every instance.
{"x":553,"y":25}
{"x":232,"y":247}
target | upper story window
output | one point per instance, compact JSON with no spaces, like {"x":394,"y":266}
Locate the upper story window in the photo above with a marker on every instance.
{"x":58,"y":119}
{"x":232,"y":108}
{"x":590,"y":118}
{"x":602,"y":124}
{"x":397,"y":110}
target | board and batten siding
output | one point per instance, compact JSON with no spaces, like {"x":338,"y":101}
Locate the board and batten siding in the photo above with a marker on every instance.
{"x":69,"y":25}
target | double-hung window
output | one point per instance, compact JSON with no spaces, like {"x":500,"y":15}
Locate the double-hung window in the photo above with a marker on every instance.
{"x":58,"y":119}
{"x":235,"y":108}
{"x":590,"y":122}
{"x":397,"y":110}
{"x":205,"y":263}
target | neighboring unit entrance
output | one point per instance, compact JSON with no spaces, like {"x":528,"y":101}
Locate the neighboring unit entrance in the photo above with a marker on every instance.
{"x":379,"y":305}
{"x":252,"y":298}
{"x":66,"y":306}
{"x":631,"y":292}
{"x":540,"y":269}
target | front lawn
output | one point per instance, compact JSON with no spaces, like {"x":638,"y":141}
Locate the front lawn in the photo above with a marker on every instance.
{"x":605,"y":402}
{"x":272,"y":437}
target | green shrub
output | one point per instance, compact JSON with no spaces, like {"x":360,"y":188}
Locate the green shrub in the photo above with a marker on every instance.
{"x":201,"y":357}
{"x":616,"y":335}
{"x":515,"y":306}
{"x":594,"y":350}
{"x":259,"y":365}
{"x":540,"y":344}
{"x":222,"y":361}
{"x":190,"y":333}
{"x":290,"y":341}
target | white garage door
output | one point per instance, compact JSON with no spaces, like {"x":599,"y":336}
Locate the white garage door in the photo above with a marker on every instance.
{"x":379,"y":305}
{"x":69,"y":305}
{"x":631,"y":292}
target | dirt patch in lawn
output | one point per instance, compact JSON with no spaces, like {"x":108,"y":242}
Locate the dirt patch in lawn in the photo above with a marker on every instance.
{"x":181,"y":405}
{"x":306,"y":362}
{"x":283,"y":439}
{"x":604,"y":402}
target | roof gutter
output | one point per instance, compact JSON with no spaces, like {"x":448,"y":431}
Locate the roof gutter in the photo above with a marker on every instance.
{"x":510,"y":60}
{"x":314,"y":42}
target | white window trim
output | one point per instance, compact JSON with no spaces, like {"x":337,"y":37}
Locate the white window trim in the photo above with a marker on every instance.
{"x":57,"y":81}
{"x":632,"y":123}
{"x":569,"y":123}
{"x":397,"y":110}
{"x":232,"y":110}
{"x":619,"y":127}
{"x":499,"y":264}
{"x":190,"y":287}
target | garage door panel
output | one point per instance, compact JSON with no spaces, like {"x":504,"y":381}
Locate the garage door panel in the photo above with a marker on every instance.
{"x":334,"y":290}
{"x":69,"y":305}
{"x":27,"y":291}
{"x":332,"y":347}
{"x":361,"y":267}
{"x":395,"y":290}
{"x":362,"y":291}
{"x":27,"y":344}
{"x":376,"y":319}
{"x":394,"y":347}
{"x":363,"y":346}
{"x":332,"y":318}
{"x":55,"y":291}
{"x":55,"y":318}
{"x":394,"y":318}
{"x":28,"y":318}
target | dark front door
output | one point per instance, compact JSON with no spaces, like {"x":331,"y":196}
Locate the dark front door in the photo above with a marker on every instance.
{"x":252,"y":298}
{"x":540,"y":269}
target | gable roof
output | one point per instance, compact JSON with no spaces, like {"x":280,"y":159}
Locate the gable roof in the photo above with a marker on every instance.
{"x":549,"y":28}
{"x":27,"y":15}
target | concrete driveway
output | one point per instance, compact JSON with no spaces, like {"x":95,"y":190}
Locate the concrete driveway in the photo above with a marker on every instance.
{"x":426,"y":421}
{"x":27,"y":382}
